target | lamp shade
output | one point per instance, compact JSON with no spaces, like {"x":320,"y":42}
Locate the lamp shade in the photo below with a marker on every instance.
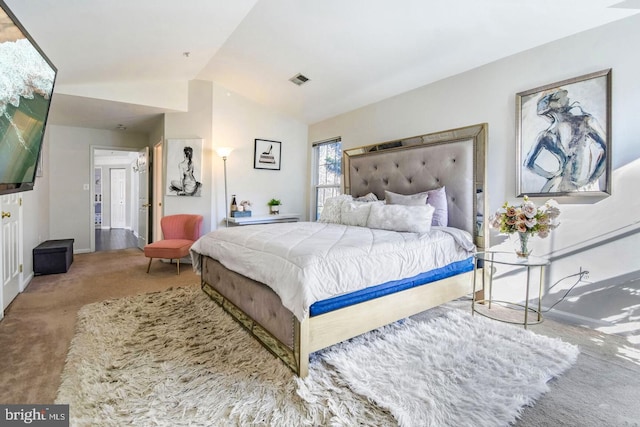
{"x":224,"y":151}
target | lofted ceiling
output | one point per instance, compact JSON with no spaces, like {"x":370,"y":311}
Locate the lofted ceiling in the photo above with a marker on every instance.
{"x":355,"y":52}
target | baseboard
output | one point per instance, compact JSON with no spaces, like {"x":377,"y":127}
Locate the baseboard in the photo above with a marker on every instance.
{"x":26,"y":282}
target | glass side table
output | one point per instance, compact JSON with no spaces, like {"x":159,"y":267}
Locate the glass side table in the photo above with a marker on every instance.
{"x":509,"y":258}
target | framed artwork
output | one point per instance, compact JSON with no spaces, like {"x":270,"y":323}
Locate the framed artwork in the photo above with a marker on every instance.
{"x":267,"y":154}
{"x":184,"y":167}
{"x":563,"y":134}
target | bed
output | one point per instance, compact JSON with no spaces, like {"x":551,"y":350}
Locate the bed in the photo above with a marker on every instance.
{"x":323,"y":283}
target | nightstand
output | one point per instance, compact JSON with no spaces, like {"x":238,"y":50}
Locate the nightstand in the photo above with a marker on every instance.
{"x":488,"y":259}
{"x":265,"y":219}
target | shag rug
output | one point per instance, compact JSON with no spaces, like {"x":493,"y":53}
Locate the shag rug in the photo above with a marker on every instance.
{"x":175,"y":358}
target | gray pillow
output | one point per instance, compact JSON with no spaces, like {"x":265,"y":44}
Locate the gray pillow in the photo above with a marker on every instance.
{"x":416,"y":199}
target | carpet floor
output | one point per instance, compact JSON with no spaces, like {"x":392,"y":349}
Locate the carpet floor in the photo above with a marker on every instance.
{"x":176,"y":358}
{"x":38,"y":325}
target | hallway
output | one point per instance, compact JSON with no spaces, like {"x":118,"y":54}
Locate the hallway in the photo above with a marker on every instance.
{"x":114,"y":239}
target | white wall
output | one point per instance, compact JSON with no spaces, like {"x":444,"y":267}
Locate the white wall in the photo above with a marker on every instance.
{"x":196,"y":123}
{"x":487,"y":94}
{"x":35,"y":214}
{"x":69,"y":171}
{"x":237,"y":122}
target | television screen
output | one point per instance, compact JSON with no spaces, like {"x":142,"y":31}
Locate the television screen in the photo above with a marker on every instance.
{"x":26,"y":85}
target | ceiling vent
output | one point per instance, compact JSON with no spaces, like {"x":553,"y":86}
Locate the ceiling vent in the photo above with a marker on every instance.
{"x":299,"y":79}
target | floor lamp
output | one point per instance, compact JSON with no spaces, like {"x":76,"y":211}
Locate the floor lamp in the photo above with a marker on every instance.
{"x":224,"y":153}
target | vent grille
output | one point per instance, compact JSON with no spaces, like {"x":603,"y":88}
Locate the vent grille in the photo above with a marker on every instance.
{"x":299,"y":79}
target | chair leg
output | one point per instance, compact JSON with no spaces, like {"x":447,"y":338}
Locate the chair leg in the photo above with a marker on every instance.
{"x":178,"y":266}
{"x":149,"y":266}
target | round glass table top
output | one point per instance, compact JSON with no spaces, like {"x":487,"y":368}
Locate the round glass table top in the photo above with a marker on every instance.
{"x":510,"y":258}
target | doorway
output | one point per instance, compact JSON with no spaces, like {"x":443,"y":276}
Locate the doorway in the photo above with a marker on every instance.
{"x":114,"y":195}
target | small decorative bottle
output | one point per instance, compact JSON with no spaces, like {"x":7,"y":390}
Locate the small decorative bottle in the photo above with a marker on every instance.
{"x":234,"y":205}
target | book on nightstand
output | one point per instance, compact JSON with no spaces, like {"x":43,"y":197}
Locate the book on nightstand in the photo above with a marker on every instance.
{"x":240,"y":214}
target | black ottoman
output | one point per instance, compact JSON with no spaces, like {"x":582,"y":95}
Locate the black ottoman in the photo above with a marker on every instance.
{"x":53,"y":256}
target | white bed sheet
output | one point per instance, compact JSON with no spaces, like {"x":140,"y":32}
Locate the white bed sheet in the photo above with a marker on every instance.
{"x":305,"y":262}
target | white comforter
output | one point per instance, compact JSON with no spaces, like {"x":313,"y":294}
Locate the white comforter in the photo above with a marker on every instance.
{"x":305,"y":262}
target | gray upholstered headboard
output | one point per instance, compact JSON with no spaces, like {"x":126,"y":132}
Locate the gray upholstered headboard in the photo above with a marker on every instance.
{"x":454,"y":159}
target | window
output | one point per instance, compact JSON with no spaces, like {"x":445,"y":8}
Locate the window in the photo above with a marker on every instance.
{"x":327,"y":160}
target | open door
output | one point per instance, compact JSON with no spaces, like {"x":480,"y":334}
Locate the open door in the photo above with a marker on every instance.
{"x":11,"y":240}
{"x":143,"y":197}
{"x":157,"y":189}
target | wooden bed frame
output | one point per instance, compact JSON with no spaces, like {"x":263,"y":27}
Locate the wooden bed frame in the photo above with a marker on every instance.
{"x":454,"y":159}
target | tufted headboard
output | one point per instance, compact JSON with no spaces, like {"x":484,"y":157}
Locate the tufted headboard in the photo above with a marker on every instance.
{"x":454,"y":159}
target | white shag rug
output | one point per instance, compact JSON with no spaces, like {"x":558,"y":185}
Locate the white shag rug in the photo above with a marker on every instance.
{"x":175,"y":358}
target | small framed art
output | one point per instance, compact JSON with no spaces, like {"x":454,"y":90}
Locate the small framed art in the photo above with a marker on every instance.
{"x":267,"y":154}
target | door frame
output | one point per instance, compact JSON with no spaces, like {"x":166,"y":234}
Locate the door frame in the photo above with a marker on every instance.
{"x":92,"y":213}
{"x":157,"y":210}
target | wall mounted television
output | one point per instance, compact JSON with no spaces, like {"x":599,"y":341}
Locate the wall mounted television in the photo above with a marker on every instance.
{"x":27,"y":78}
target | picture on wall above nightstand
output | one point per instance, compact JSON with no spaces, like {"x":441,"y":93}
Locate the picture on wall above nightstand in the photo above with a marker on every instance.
{"x":267,"y":154}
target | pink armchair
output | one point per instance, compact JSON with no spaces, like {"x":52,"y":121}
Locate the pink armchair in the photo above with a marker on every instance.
{"x":180,"y":232}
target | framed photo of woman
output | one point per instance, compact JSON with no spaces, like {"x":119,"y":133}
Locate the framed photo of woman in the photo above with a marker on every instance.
{"x":184,"y":167}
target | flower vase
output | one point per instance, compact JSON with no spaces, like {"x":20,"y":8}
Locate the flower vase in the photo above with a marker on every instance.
{"x":523,"y":250}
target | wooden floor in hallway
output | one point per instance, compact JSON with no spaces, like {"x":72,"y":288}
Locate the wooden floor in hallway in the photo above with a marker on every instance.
{"x":114,"y":239}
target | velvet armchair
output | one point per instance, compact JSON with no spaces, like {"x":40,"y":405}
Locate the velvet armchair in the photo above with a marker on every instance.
{"x":179,"y":233}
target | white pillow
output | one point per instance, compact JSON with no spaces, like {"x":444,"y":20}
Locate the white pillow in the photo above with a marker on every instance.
{"x":402,"y":199}
{"x":415,"y":219}
{"x":332,"y":207}
{"x":436,"y":198}
{"x":356,"y":213}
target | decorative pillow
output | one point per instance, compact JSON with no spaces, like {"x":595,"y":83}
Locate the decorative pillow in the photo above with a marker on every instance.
{"x":355,"y":213}
{"x":438,"y":199}
{"x":367,"y":198}
{"x":331,"y":209}
{"x":416,"y":199}
{"x":416,"y":219}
